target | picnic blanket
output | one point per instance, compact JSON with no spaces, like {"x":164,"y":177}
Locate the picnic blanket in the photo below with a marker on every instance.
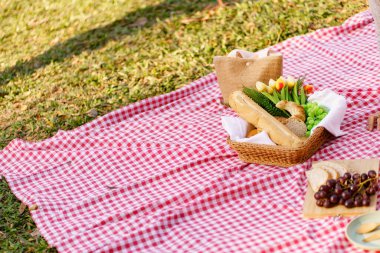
{"x":158,"y":175}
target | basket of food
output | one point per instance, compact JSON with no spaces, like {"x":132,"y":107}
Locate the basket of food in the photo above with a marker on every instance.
{"x":279,"y":155}
{"x":281,"y":123}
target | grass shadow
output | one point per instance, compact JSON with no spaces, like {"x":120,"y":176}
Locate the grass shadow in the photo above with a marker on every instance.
{"x":97,"y":38}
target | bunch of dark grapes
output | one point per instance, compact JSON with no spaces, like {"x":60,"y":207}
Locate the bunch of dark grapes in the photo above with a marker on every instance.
{"x":349,"y":190}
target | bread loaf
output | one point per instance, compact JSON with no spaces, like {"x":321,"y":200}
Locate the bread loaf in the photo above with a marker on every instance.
{"x":297,"y":126}
{"x":252,"y":133}
{"x":294,"y":124}
{"x":332,"y":173}
{"x":337,"y":167}
{"x":257,"y":116}
{"x":294,"y":109}
{"x":316,"y":177}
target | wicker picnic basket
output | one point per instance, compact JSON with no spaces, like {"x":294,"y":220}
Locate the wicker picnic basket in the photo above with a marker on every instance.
{"x":279,"y":155}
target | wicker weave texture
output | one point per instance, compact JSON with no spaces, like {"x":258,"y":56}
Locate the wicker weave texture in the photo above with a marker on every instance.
{"x":279,"y":155}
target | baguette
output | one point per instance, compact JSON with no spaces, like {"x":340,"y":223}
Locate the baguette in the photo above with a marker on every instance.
{"x":257,"y":116}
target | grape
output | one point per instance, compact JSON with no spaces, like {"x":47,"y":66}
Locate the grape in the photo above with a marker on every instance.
{"x":370,"y":191}
{"x":349,"y":203}
{"x":338,"y":189}
{"x":331,"y":183}
{"x":371,"y":174}
{"x":359,"y":198}
{"x":341,"y":180}
{"x":327,"y":203}
{"x":324,"y":188}
{"x":358,"y":203}
{"x":320,"y":202}
{"x":347,"y":175}
{"x":357,"y":181}
{"x":314,"y":115}
{"x":322,"y":194}
{"x":366,"y":202}
{"x":317,"y":195}
{"x":346,"y":195}
{"x":350,"y":190}
{"x":334,"y":199}
{"x":354,"y":187}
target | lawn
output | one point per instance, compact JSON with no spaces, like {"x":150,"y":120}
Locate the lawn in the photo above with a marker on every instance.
{"x":63,"y":63}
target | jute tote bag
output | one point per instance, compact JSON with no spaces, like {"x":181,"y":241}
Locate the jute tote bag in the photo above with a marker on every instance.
{"x":241,"y":68}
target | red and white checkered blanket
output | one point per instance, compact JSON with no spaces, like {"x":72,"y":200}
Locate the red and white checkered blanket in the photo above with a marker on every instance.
{"x":158,"y":176}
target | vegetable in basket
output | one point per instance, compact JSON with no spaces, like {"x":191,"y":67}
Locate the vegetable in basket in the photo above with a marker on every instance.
{"x":290,"y":92}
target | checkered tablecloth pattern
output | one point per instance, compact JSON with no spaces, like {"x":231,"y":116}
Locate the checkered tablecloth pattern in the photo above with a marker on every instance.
{"x":158,"y":176}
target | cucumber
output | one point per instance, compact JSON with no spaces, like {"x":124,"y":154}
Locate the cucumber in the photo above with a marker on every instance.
{"x":265,"y":103}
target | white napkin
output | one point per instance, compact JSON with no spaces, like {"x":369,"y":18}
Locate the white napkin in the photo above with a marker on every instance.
{"x":247,"y":55}
{"x":237,"y":130}
{"x":337,"y":106}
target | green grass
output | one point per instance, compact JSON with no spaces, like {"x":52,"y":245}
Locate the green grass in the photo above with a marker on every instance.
{"x":59,"y":59}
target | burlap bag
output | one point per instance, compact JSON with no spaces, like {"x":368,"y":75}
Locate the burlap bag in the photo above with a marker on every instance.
{"x":233,"y":72}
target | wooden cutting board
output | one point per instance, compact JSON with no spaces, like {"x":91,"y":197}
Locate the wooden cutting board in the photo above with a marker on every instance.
{"x":311,"y":210}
